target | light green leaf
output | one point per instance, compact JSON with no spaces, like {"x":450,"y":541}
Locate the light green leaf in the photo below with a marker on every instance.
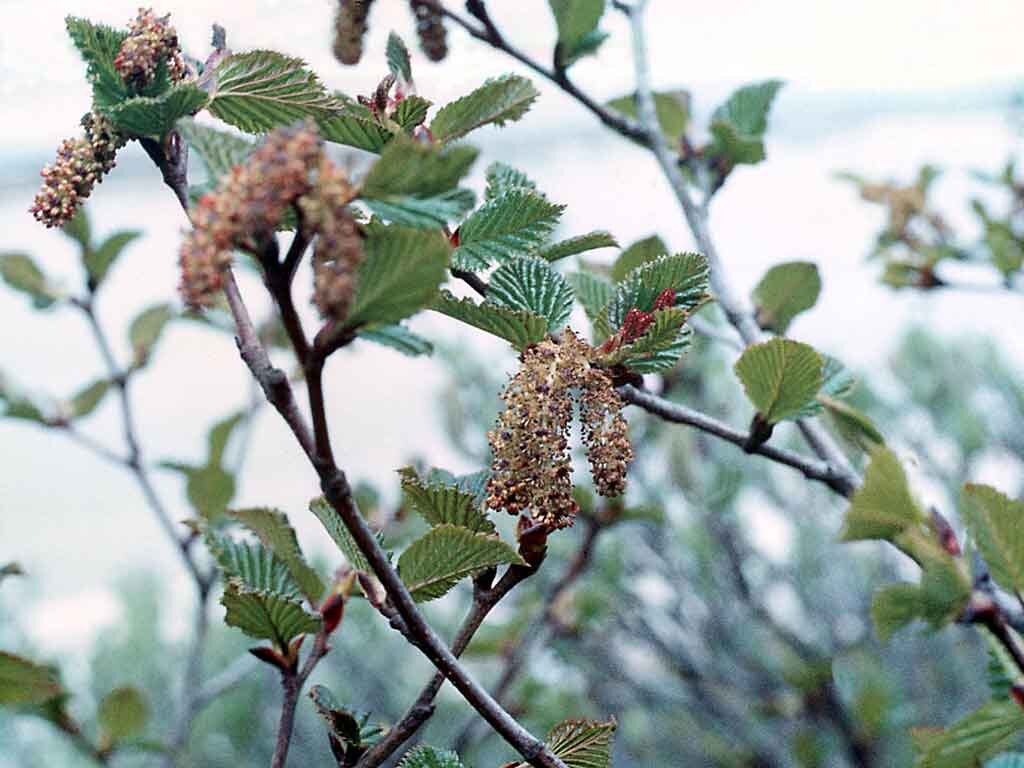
{"x":497,"y":101}
{"x":854,"y":425}
{"x":398,"y":59}
{"x":436,"y":562}
{"x":883,"y":506}
{"x":428,"y":757}
{"x":97,"y":261}
{"x":145,"y":331}
{"x":780,"y":377}
{"x":592,"y":291}
{"x":88,"y":398}
{"x":738,"y":125}
{"x":587,"y":45}
{"x":20,"y":272}
{"x":978,"y":736}
{"x":503,"y":178}
{"x":23,"y":682}
{"x":220,"y":433}
{"x":209,"y":489}
{"x":261,"y":90}
{"x":997,"y":524}
{"x":122,"y":715}
{"x":519,"y":327}
{"x":577,"y":22}
{"x":441,"y":504}
{"x":531,"y":284}
{"x":893,"y":607}
{"x":398,"y":337}
{"x":155,"y":116}
{"x":79,"y":229}
{"x":99,"y":45}
{"x":335,"y":526}
{"x":274,"y":530}
{"x":837,"y":382}
{"x":672,"y":108}
{"x":400,"y":274}
{"x":660,"y":347}
{"x":219,"y":150}
{"x":785,"y":291}
{"x":513,"y":224}
{"x":684,"y":273}
{"x":266,"y":616}
{"x":639,"y":253}
{"x":579,"y":244}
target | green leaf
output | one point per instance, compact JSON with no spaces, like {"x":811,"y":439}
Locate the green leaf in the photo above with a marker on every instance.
{"x":411,"y":112}
{"x":407,"y":167}
{"x":684,"y":273}
{"x":220,"y":433}
{"x":587,"y":45}
{"x":398,"y":337}
{"x":579,"y":244}
{"x":99,"y":45}
{"x":738,"y":125}
{"x":428,"y":757}
{"x":592,"y":291}
{"x":852,"y":424}
{"x":1003,"y":672}
{"x":531,"y":284}
{"x":978,"y":736}
{"x":23,"y":682}
{"x":155,"y":116}
{"x":996,"y":522}
{"x":398,"y":59}
{"x":780,"y":377}
{"x":784,"y":292}
{"x":86,"y":400}
{"x":98,"y":261}
{"x":266,"y":616}
{"x":145,"y":331}
{"x":518,"y":327}
{"x":400,"y":274}
{"x":253,"y":565}
{"x":509,"y":225}
{"x":261,"y":90}
{"x":497,"y":101}
{"x":432,"y":212}
{"x":660,"y":347}
{"x":441,"y":504}
{"x":209,"y":489}
{"x":583,"y":743}
{"x":893,"y":607}
{"x":122,"y":715}
{"x":672,"y":108}
{"x":639,"y":253}
{"x":274,"y":530}
{"x":21,"y":273}
{"x":577,"y":22}
{"x":837,"y":382}
{"x":335,"y":526}
{"x":436,"y":562}
{"x":79,"y":229}
{"x":883,"y":506}
{"x":503,"y":178}
{"x":219,"y":150}
{"x":354,"y":125}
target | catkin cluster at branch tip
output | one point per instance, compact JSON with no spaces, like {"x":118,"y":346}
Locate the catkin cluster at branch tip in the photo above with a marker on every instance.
{"x":246,"y":208}
{"x":339,"y":245}
{"x":80,"y":165}
{"x":350,"y":29}
{"x":151,"y":40}
{"x":531,"y":470}
{"x":430,"y":29}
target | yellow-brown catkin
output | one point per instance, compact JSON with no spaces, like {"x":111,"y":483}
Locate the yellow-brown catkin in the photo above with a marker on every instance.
{"x":350,"y":29}
{"x":531,"y":470}
{"x":151,"y":40}
{"x":80,"y":165}
{"x":338,"y":251}
{"x":246,"y":208}
{"x":430,"y":29}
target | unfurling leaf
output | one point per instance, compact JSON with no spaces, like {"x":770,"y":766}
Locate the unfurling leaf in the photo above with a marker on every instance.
{"x":441,"y":504}
{"x":99,"y":44}
{"x":337,"y":530}
{"x":581,"y":743}
{"x":686,"y":274}
{"x":780,"y":377}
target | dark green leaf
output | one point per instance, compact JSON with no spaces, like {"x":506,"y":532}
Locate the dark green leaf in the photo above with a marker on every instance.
{"x":497,"y":101}
{"x":513,"y":224}
{"x":355,"y":126}
{"x":335,"y":526}
{"x":576,"y":245}
{"x":503,"y":178}
{"x":518,"y":327}
{"x":407,"y":167}
{"x":253,"y":565}
{"x":411,"y":112}
{"x":684,"y":273}
{"x":660,"y":347}
{"x":531,"y":284}
{"x":440,"y":503}
{"x":639,"y":253}
{"x":428,"y":757}
{"x":99,"y":45}
{"x":274,"y":530}
{"x":398,"y":59}
{"x":263,"y":615}
{"x":154,"y":116}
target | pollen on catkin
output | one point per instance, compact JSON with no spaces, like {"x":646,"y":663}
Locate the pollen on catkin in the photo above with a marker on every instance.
{"x":151,"y":40}
{"x":531,"y":470}
{"x":350,"y":29}
{"x":430,"y":29}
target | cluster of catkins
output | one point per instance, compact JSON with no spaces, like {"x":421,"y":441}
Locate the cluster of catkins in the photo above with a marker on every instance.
{"x":350,"y":24}
{"x":531,"y":470}
{"x":83,"y":161}
{"x":288,"y":169}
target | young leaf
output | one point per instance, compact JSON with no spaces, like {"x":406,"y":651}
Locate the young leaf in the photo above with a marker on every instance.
{"x":672,"y":107}
{"x":579,"y":244}
{"x":398,"y":337}
{"x":997,"y":524}
{"x":883,"y":506}
{"x":503,"y":99}
{"x":531,"y":284}
{"x":355,"y":126}
{"x":980,"y":735}
{"x":335,"y":526}
{"x":88,"y":398}
{"x":23,"y":682}
{"x":436,"y":562}
{"x":780,"y":377}
{"x":266,"y":616}
{"x":400,"y":274}
{"x":145,"y":331}
{"x":98,"y":261}
{"x":639,"y":253}
{"x":398,"y":59}
{"x":407,"y":167}
{"x":122,"y":715}
{"x":854,"y":425}
{"x":411,"y":112}
{"x":512,"y":224}
{"x":155,"y":116}
{"x":503,"y":178}
{"x":785,"y":291}
{"x":274,"y":530}
{"x":428,"y":757}
{"x":660,"y":347}
{"x":441,"y":504}
{"x":577,"y":22}
{"x":21,"y":273}
{"x":253,"y":565}
{"x":518,"y":327}
{"x":684,"y":273}
{"x":99,"y":45}
{"x":893,"y":607}
{"x":738,"y":125}
{"x":219,"y":150}
{"x":261,"y":90}
{"x":592,"y":291}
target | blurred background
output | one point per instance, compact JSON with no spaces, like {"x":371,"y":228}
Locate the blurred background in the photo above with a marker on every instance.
{"x":721,"y":623}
